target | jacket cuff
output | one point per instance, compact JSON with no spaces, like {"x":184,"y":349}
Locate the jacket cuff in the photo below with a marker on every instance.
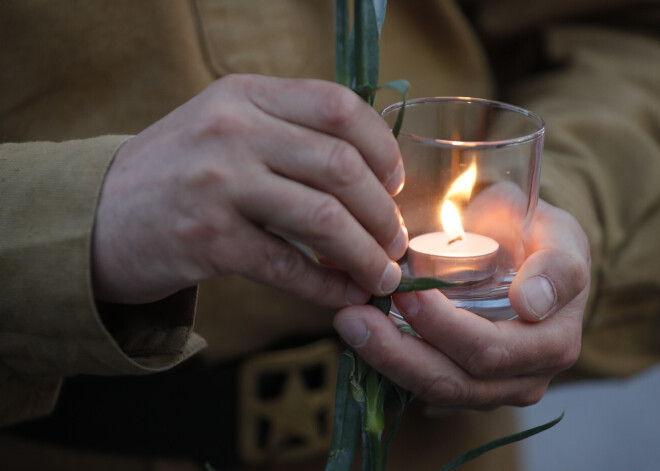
{"x":51,"y":326}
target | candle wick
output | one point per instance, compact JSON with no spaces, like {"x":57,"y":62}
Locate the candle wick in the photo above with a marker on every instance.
{"x":460,"y":237}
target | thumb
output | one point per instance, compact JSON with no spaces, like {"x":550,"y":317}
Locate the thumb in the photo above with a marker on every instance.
{"x":547,"y":281}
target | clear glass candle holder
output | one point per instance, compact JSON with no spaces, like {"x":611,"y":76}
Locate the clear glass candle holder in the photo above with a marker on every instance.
{"x":472,"y":180}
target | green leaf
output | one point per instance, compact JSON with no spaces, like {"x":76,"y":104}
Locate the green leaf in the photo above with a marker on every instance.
{"x":421,"y":283}
{"x":472,"y":454}
{"x":400,"y":86}
{"x":379,"y":7}
{"x":346,"y":421}
{"x":407,"y":329}
{"x":405,"y":397}
{"x":358,"y":374}
{"x":384,"y":303}
{"x":408,"y":284}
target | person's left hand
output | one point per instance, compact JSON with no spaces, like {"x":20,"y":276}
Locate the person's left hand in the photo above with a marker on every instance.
{"x":462,"y":359}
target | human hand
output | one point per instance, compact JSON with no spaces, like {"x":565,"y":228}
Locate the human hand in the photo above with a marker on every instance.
{"x":462,"y":359}
{"x":203,"y":192}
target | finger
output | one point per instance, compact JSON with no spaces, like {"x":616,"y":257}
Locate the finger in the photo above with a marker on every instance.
{"x":333,"y":109}
{"x":269,"y":260}
{"x":488,"y":349}
{"x":333,"y":166}
{"x":320,"y":221}
{"x":557,"y":271}
{"x":425,"y":371}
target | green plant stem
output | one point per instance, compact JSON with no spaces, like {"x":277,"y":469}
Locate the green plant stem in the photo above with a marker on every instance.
{"x":366,"y":47}
{"x":371,"y":449}
{"x":342,"y":45}
{"x":347,"y":414}
{"x":374,"y":419}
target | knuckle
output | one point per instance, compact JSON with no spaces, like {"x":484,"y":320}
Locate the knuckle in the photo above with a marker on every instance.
{"x":531,"y":395}
{"x":204,"y":176}
{"x":445,"y":390}
{"x":203,"y":222}
{"x":222,"y":123}
{"x":579,"y":272}
{"x":211,"y":181}
{"x":326,"y":217}
{"x":580,"y":260}
{"x":340,"y":106}
{"x":235,"y":82}
{"x":390,"y":217}
{"x":327,"y":289}
{"x":285,"y":266}
{"x":568,"y":356}
{"x":392,"y":153}
{"x":487,"y":361}
{"x":344,"y":167}
{"x":387,"y":361}
{"x":197,"y":229}
{"x":573,"y":278}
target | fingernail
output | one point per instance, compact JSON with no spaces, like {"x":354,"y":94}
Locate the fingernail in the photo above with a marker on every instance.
{"x":399,"y":245}
{"x":391,"y":278}
{"x":354,"y":330}
{"x":408,"y":303}
{"x":395,"y":182}
{"x":355,"y":295}
{"x":540,"y":296}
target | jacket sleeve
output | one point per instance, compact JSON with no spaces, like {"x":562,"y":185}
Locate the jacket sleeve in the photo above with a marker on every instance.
{"x":50,"y":324}
{"x":601,"y":104}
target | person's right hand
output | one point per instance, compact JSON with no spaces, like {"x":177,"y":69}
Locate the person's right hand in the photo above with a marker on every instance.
{"x":203,"y":192}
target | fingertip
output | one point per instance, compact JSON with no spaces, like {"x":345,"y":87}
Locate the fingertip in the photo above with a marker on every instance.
{"x":355,"y":295}
{"x":408,"y":304}
{"x":538,"y":298}
{"x":353,"y":328}
{"x":396,"y":180}
{"x":390,"y":279}
{"x":548,"y":280}
{"x":399,"y":245}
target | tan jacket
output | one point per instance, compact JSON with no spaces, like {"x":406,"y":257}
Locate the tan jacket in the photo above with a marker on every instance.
{"x":77,"y":77}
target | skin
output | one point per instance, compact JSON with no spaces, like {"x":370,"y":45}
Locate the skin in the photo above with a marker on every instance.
{"x":462,"y":359}
{"x":214,"y":187}
{"x":211,"y":189}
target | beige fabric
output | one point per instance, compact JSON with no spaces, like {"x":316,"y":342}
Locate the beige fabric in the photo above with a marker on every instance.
{"x":49,"y":327}
{"x":73,"y":70}
{"x":54,"y":89}
{"x":420,"y":38}
{"x":280,"y":46}
{"x":510,"y":18}
{"x":602,"y":163}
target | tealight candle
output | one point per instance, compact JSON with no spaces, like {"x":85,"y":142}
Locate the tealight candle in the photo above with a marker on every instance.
{"x":473,"y":257}
{"x":454,"y":255}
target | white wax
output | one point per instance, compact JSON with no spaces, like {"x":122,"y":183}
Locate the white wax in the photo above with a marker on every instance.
{"x":437,"y":244}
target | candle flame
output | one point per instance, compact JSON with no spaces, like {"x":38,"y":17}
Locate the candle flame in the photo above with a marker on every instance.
{"x":461,"y":188}
{"x":451,"y":220}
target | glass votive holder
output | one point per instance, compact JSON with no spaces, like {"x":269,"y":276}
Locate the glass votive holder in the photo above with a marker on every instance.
{"x":472,"y":180}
